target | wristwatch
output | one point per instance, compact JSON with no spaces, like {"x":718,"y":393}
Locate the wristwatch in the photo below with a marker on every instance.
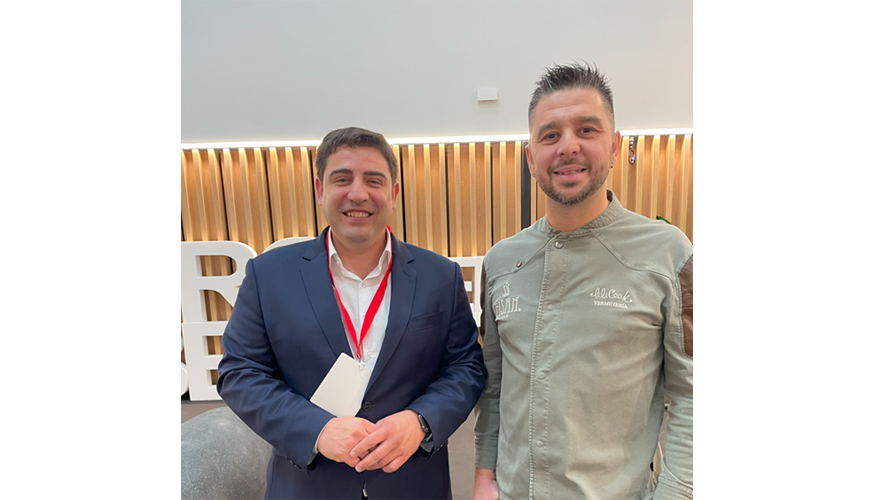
{"x":425,"y":428}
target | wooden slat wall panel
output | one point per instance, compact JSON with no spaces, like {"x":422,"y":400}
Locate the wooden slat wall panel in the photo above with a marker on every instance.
{"x":469,"y":199}
{"x":291,"y":193}
{"x":203,"y":210}
{"x":506,"y":190}
{"x":424,"y":183}
{"x":247,"y":199}
{"x":456,"y":199}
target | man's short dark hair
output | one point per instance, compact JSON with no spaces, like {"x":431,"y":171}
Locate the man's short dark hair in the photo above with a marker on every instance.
{"x":354,"y":137}
{"x":569,"y":77}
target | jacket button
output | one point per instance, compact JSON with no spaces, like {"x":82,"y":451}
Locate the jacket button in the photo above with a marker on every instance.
{"x":367,"y":406}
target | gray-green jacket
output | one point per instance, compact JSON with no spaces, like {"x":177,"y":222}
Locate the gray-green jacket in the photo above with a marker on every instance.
{"x":585,"y":335}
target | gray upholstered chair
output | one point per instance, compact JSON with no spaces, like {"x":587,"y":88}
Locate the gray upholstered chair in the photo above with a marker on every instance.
{"x":222,"y":459}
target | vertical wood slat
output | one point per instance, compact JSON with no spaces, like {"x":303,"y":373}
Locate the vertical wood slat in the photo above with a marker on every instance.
{"x":506,"y":166}
{"x":687,"y":186}
{"x":469,"y":199}
{"x":291,"y":193}
{"x":439,"y":211}
{"x":454,"y":202}
{"x":636,"y":176}
{"x":652,"y":196}
{"x":246,"y":186}
{"x":538,"y":199}
{"x":484,"y":218}
{"x":666,"y":186}
{"x":616,"y":179}
{"x":424,"y":173}
{"x":517,"y":190}
{"x":427,"y":191}
{"x":397,"y":222}
{"x":411,"y":202}
{"x":460,"y":201}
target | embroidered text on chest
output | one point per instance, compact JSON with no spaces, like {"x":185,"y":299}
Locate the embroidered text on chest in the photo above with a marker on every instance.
{"x":505,"y":305}
{"x":611,"y":298}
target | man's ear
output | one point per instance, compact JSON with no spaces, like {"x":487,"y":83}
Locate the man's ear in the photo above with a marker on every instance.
{"x":615,"y":147}
{"x":395,"y":190}
{"x":318,"y":184}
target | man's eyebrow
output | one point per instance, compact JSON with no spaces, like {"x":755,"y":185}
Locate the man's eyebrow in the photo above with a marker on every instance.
{"x":577,"y":119}
{"x":588,"y":119}
{"x":339,"y":171}
{"x":347,"y":171}
{"x":545,"y":127}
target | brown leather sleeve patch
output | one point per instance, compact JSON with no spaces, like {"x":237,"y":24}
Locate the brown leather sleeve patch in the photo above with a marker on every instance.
{"x":686,"y":279}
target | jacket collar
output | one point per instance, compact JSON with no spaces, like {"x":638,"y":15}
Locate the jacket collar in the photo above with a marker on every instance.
{"x":317,"y":283}
{"x":606,"y":217}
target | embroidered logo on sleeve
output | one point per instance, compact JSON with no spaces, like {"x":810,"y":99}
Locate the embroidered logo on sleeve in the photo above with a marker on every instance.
{"x":505,"y":305}
{"x":611,"y":298}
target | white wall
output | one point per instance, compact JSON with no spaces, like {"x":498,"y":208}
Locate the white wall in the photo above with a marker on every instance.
{"x":272,"y":70}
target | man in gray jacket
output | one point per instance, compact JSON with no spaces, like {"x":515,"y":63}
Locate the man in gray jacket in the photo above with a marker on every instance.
{"x":588,"y":324}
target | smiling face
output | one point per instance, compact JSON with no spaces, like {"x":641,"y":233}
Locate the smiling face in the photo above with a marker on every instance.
{"x":357,"y":196}
{"x":572,"y":146}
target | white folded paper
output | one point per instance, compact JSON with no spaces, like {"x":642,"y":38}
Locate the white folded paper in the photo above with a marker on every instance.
{"x":343,"y":388}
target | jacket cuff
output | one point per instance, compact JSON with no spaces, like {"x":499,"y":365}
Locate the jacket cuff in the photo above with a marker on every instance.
{"x":485,"y":454}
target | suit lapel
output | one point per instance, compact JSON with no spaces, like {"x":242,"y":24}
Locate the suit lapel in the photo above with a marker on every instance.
{"x":317,"y":283}
{"x":403,"y":287}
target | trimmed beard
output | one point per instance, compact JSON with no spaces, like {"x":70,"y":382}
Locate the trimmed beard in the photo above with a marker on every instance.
{"x":588,"y":189}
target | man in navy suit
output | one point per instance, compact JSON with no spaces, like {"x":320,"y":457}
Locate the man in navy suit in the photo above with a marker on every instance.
{"x":398,"y":310}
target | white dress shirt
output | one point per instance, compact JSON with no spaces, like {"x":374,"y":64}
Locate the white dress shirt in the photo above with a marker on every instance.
{"x":357,"y":294}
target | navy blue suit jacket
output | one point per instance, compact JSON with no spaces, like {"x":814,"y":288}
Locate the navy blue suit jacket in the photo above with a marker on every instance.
{"x":286,"y":332}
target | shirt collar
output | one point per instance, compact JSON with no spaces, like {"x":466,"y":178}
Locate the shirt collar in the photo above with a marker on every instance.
{"x":381,"y":265}
{"x":609,"y":214}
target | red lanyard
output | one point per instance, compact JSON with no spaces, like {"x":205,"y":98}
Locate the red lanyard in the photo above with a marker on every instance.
{"x":372,"y":309}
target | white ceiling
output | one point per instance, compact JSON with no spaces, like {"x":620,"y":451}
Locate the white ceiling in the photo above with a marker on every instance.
{"x":270,"y":70}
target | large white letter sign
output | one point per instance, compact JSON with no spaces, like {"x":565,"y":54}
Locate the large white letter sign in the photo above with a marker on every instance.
{"x":198,"y":360}
{"x":291,"y":240}
{"x":184,"y":369}
{"x":195,"y":327}
{"x":194,"y":307}
{"x":474,"y":285}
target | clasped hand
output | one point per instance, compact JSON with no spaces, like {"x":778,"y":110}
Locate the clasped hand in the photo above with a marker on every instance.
{"x":364,"y":445}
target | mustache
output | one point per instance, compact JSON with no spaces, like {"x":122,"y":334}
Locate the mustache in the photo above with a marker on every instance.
{"x":354,"y":207}
{"x":570,"y":161}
